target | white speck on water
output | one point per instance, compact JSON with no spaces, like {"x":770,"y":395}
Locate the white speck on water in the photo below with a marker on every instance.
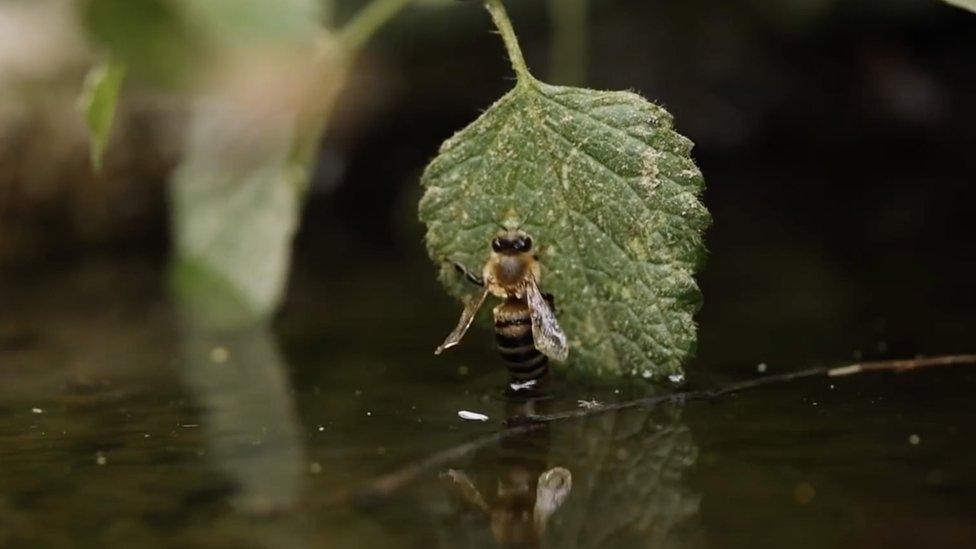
{"x":761,"y":367}
{"x":37,"y":410}
{"x":100,"y":459}
{"x":522,"y":386}
{"x":471,"y":416}
{"x":321,"y":428}
{"x":676,"y":378}
{"x":588,"y":404}
{"x":831,"y":386}
{"x":647,"y":374}
{"x":189,"y":425}
{"x":369,"y":413}
{"x":219,"y":355}
{"x":914,"y":440}
{"x":315,"y":468}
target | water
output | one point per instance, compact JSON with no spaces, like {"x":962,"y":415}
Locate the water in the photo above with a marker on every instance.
{"x":120,"y":425}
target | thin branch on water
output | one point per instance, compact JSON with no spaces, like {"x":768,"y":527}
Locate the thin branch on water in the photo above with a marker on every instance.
{"x":387,"y":485}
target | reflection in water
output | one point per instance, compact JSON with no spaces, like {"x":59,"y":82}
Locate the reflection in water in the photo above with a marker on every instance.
{"x":524,"y":494}
{"x":612,"y":480}
{"x":629,"y":490}
{"x":248,"y":415}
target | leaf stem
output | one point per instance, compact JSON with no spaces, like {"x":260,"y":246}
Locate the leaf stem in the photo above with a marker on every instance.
{"x":504,"y":25}
{"x":364,"y":24}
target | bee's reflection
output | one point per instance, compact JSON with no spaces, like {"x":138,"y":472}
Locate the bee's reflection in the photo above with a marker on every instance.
{"x":625,"y":471}
{"x":521,"y":495}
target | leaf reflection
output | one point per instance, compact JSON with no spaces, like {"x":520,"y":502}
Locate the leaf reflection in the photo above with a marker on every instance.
{"x":238,"y":378}
{"x":613,"y":480}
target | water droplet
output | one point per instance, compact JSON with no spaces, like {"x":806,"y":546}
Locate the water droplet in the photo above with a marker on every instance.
{"x":522,"y":386}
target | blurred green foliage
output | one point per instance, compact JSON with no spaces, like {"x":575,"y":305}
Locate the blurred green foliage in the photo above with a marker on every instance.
{"x":152,"y":37}
{"x":98,"y":103}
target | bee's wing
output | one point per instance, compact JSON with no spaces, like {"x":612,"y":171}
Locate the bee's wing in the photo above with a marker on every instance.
{"x":549,"y":337}
{"x":467,"y":316}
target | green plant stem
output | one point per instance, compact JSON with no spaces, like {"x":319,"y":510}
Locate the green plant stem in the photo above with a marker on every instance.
{"x":364,"y":24}
{"x":504,"y":25}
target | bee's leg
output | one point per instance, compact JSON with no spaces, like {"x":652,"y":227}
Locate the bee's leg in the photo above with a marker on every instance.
{"x":461,"y":483}
{"x":475,"y":279}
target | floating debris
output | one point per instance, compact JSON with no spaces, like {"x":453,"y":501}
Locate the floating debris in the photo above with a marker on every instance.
{"x":588,"y":404}
{"x":472,"y":416}
{"x":676,"y":378}
{"x":37,"y":410}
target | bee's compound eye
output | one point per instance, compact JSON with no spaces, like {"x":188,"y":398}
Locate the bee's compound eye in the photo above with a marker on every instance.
{"x":496,"y":244}
{"x":527,"y":243}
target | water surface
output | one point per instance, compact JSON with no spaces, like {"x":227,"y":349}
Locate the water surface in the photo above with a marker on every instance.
{"x":122,"y":425}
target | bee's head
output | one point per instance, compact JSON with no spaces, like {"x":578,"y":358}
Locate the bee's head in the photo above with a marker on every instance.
{"x":511,"y":242}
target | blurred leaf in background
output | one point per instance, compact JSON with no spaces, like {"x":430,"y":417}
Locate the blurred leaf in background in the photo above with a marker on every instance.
{"x":97,"y":104}
{"x":259,"y":79}
{"x":152,"y":37}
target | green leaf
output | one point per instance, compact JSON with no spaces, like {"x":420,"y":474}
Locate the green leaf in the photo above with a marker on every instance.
{"x":236,"y":199}
{"x":609,"y":193}
{"x":965,"y":4}
{"x":97,"y":104}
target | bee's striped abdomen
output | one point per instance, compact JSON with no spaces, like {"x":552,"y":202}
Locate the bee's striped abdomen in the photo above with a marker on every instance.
{"x":513,"y":334}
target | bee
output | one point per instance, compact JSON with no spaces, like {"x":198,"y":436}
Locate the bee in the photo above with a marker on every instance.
{"x":526,"y":330}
